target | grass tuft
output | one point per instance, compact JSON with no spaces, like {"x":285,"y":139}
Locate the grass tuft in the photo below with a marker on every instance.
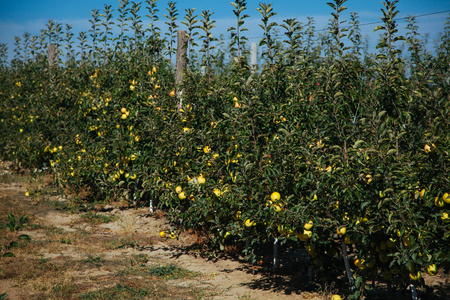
{"x":171,"y":272}
{"x":96,"y":218}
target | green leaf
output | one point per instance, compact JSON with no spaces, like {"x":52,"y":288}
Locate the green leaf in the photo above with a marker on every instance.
{"x":23,"y":220}
{"x":342,"y":8}
{"x":390,"y":216}
{"x":410,"y":265}
{"x":12,"y":222}
{"x":249,"y":81}
{"x":8,"y":254}
{"x":392,"y":151}
{"x":401,"y":134}
{"x":381,"y":113}
{"x":357,"y":143}
{"x":399,"y":38}
{"x":336,"y":147}
{"x":331,"y":5}
{"x":338,"y":94}
{"x":24,"y":237}
{"x":358,"y":281}
{"x":371,"y":150}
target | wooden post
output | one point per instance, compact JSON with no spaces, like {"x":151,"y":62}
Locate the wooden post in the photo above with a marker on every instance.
{"x":254,"y":56}
{"x":182,"y":39}
{"x":53,"y":55}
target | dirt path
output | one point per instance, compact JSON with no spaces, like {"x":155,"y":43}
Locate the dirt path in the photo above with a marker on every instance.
{"x":229,"y":279}
{"x":110,"y":252}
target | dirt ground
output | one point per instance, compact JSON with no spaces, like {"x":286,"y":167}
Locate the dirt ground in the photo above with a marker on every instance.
{"x":109,"y":251}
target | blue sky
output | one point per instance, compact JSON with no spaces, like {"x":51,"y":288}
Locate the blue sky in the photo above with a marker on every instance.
{"x":19,"y":16}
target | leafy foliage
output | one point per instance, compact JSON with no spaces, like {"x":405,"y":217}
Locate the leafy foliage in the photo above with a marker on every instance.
{"x":355,"y":144}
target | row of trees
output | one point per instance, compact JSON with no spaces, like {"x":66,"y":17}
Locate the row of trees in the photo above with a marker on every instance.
{"x":325,"y":147}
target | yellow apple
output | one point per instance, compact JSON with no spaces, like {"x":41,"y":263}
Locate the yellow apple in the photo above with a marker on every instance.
{"x":422,"y":192}
{"x":275,"y":196}
{"x":249,"y":223}
{"x":277,"y":207}
{"x":341,"y":230}
{"x":446,"y":198}
{"x":431,"y":269}
{"x":307,"y":233}
{"x":364,"y":220}
{"x":414,"y":275}
{"x":309,"y":225}
{"x":201,"y":180}
{"x":217,"y":192}
{"x":439,"y":202}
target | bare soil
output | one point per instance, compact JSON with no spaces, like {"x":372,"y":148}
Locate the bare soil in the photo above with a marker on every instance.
{"x":111,"y":251}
